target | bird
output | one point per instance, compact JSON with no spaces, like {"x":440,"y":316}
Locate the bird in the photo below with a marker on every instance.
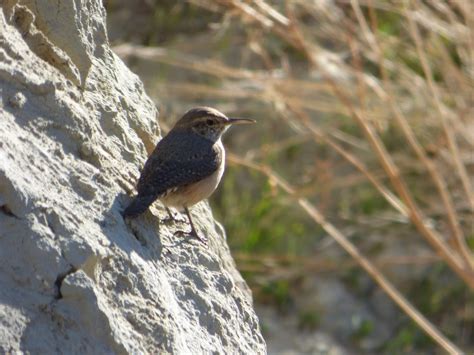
{"x":186,"y":166}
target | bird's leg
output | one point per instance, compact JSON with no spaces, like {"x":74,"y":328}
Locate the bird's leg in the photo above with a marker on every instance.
{"x":193,"y":229}
{"x":172,"y":218}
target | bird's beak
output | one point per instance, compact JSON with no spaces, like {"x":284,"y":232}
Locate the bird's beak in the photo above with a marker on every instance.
{"x":240,"y":121}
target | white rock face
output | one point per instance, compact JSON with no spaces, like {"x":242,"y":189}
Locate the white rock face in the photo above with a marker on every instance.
{"x":75,"y":125}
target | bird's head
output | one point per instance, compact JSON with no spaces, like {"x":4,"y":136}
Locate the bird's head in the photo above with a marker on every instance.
{"x":208,"y":122}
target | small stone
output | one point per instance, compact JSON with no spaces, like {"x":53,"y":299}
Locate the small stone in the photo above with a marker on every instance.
{"x":59,"y":153}
{"x":86,"y":149}
{"x":18,"y":100}
{"x":85,"y":187}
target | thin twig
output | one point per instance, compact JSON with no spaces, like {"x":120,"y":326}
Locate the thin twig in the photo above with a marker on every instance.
{"x":352,"y":250}
{"x":461,"y":169}
{"x":392,"y":171}
{"x":401,"y":120}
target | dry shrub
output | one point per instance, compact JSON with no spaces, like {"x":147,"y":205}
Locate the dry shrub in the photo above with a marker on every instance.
{"x":385,"y":87}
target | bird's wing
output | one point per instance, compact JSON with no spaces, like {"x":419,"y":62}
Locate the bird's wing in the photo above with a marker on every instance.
{"x":177,"y":161}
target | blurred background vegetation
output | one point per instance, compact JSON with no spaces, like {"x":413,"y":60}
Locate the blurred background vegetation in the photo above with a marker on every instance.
{"x":365,"y":140}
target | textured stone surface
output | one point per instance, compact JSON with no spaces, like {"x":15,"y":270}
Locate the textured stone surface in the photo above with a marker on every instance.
{"x":75,"y":126}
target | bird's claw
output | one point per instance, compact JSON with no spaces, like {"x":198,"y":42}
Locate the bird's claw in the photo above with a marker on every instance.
{"x":192,"y":233}
{"x":173,"y":218}
{"x":202,"y":239}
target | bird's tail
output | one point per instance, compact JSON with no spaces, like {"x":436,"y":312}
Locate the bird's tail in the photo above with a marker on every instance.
{"x":138,"y":206}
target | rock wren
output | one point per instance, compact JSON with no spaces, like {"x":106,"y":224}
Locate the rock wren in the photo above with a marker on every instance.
{"x":186,"y":165}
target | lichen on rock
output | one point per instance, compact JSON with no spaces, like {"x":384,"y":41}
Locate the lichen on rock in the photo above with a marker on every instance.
{"x":75,"y":126}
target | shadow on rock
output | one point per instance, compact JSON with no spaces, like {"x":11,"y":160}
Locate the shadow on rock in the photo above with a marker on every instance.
{"x":141,"y":235}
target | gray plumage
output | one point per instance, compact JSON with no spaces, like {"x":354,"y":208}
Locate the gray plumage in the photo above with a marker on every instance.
{"x":175,"y":162}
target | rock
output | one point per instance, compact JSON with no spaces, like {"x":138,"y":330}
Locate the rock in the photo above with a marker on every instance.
{"x":75,"y":127}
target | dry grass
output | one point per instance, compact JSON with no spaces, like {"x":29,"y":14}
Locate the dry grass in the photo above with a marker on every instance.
{"x":411,"y":78}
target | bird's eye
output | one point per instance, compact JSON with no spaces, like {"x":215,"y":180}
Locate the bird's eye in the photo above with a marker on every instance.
{"x":210,"y":122}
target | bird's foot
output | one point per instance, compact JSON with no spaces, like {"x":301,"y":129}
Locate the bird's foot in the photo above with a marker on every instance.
{"x":202,"y":239}
{"x":192,"y":233}
{"x":173,"y":218}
